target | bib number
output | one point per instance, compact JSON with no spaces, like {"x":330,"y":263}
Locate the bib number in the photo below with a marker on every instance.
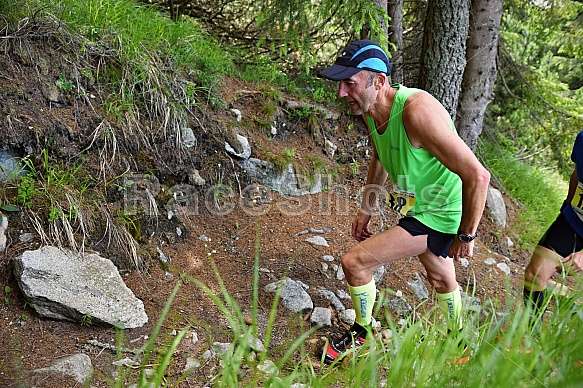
{"x":402,"y":201}
{"x":577,"y":201}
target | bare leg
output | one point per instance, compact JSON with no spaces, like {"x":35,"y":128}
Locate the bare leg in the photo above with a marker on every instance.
{"x":390,"y":245}
{"x":441,"y":275}
{"x":541,"y":267}
{"x":359,"y":262}
{"x":440,"y":272}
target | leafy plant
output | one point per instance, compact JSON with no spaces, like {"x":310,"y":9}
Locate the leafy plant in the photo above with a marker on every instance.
{"x":290,"y":152}
{"x":127,"y":183}
{"x":63,"y":186}
{"x":301,"y":113}
{"x":283,"y":159}
{"x":9,"y":207}
{"x":22,"y":317}
{"x":538,"y":105}
{"x":130,"y":222}
{"x":265,"y":117}
{"x":323,"y":96}
{"x":26,"y":191}
{"x":86,"y":319}
{"x":354,"y":168}
{"x":64,"y":84}
{"x":55,"y":213}
{"x":7,"y":291}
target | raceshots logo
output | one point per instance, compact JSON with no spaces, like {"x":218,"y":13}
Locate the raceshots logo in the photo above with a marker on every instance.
{"x":143,"y":194}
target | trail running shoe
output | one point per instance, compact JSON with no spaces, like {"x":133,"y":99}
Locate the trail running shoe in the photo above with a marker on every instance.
{"x":353,"y":338}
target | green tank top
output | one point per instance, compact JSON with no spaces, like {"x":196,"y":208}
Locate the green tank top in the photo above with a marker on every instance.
{"x":423,"y":187}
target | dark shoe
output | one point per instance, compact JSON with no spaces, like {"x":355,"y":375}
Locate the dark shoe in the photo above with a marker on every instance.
{"x":352,"y":339}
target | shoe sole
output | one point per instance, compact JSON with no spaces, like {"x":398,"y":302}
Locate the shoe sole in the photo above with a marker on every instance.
{"x":343,"y":358}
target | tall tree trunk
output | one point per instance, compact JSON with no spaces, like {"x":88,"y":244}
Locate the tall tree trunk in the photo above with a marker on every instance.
{"x":395,"y":12}
{"x":365,"y":33}
{"x":480,"y":73}
{"x":443,"y":56}
{"x":382,"y":4}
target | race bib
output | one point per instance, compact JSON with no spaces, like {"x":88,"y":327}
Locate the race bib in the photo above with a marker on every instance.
{"x":577,"y":201}
{"x":401,"y":201}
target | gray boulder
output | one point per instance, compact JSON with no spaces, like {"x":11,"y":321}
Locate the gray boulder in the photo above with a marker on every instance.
{"x":495,"y":203}
{"x":77,"y":365}
{"x":239,"y":147}
{"x":293,"y":296}
{"x":321,"y":316}
{"x":419,"y":288}
{"x":286,"y":182}
{"x":66,"y":286}
{"x":11,"y":166}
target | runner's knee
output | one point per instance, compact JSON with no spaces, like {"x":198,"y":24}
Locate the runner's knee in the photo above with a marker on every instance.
{"x":441,"y":283}
{"x":534,"y":277}
{"x":350,"y":261}
{"x":529,"y":275}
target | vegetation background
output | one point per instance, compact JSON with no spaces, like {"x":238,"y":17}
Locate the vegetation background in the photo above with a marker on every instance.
{"x":159,"y":66}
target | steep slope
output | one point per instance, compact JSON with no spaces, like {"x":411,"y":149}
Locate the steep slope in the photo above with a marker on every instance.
{"x":53,"y":113}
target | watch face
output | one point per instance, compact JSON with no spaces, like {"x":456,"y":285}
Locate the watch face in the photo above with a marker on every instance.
{"x":466,"y":237}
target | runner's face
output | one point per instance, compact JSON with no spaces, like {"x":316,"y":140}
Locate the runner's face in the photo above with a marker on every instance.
{"x":359,"y":93}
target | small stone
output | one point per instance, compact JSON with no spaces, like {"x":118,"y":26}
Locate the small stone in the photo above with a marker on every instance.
{"x":237,"y":114}
{"x":191,"y":363}
{"x":504,"y":268}
{"x":347,"y":316}
{"x":317,"y":240}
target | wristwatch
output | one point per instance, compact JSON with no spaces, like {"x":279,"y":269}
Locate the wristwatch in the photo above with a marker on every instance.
{"x":465,"y":237}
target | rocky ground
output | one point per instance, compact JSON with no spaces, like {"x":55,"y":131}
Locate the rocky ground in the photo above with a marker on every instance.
{"x":231,"y":243}
{"x":216,"y":250}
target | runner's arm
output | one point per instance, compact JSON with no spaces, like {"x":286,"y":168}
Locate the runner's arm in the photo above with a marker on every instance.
{"x":428,"y":126}
{"x":375,"y":180}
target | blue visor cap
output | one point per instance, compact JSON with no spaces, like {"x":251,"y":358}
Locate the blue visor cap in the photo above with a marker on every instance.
{"x":359,"y":55}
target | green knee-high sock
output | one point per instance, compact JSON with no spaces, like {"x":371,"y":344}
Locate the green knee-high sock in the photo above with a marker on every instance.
{"x":363,"y":298}
{"x":451,"y":304}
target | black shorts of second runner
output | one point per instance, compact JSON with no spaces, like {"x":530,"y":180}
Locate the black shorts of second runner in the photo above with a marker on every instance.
{"x":561,"y":238}
{"x":437,"y":242}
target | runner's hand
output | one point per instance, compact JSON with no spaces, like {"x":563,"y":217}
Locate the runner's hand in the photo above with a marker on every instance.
{"x":459,"y":249}
{"x":360,"y":226}
{"x":573,"y":264}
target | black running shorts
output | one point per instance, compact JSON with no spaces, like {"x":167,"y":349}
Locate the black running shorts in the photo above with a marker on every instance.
{"x":561,"y":238}
{"x":437,"y":242}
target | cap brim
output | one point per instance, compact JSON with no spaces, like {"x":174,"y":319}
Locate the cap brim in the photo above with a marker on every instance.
{"x":338,"y":72}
